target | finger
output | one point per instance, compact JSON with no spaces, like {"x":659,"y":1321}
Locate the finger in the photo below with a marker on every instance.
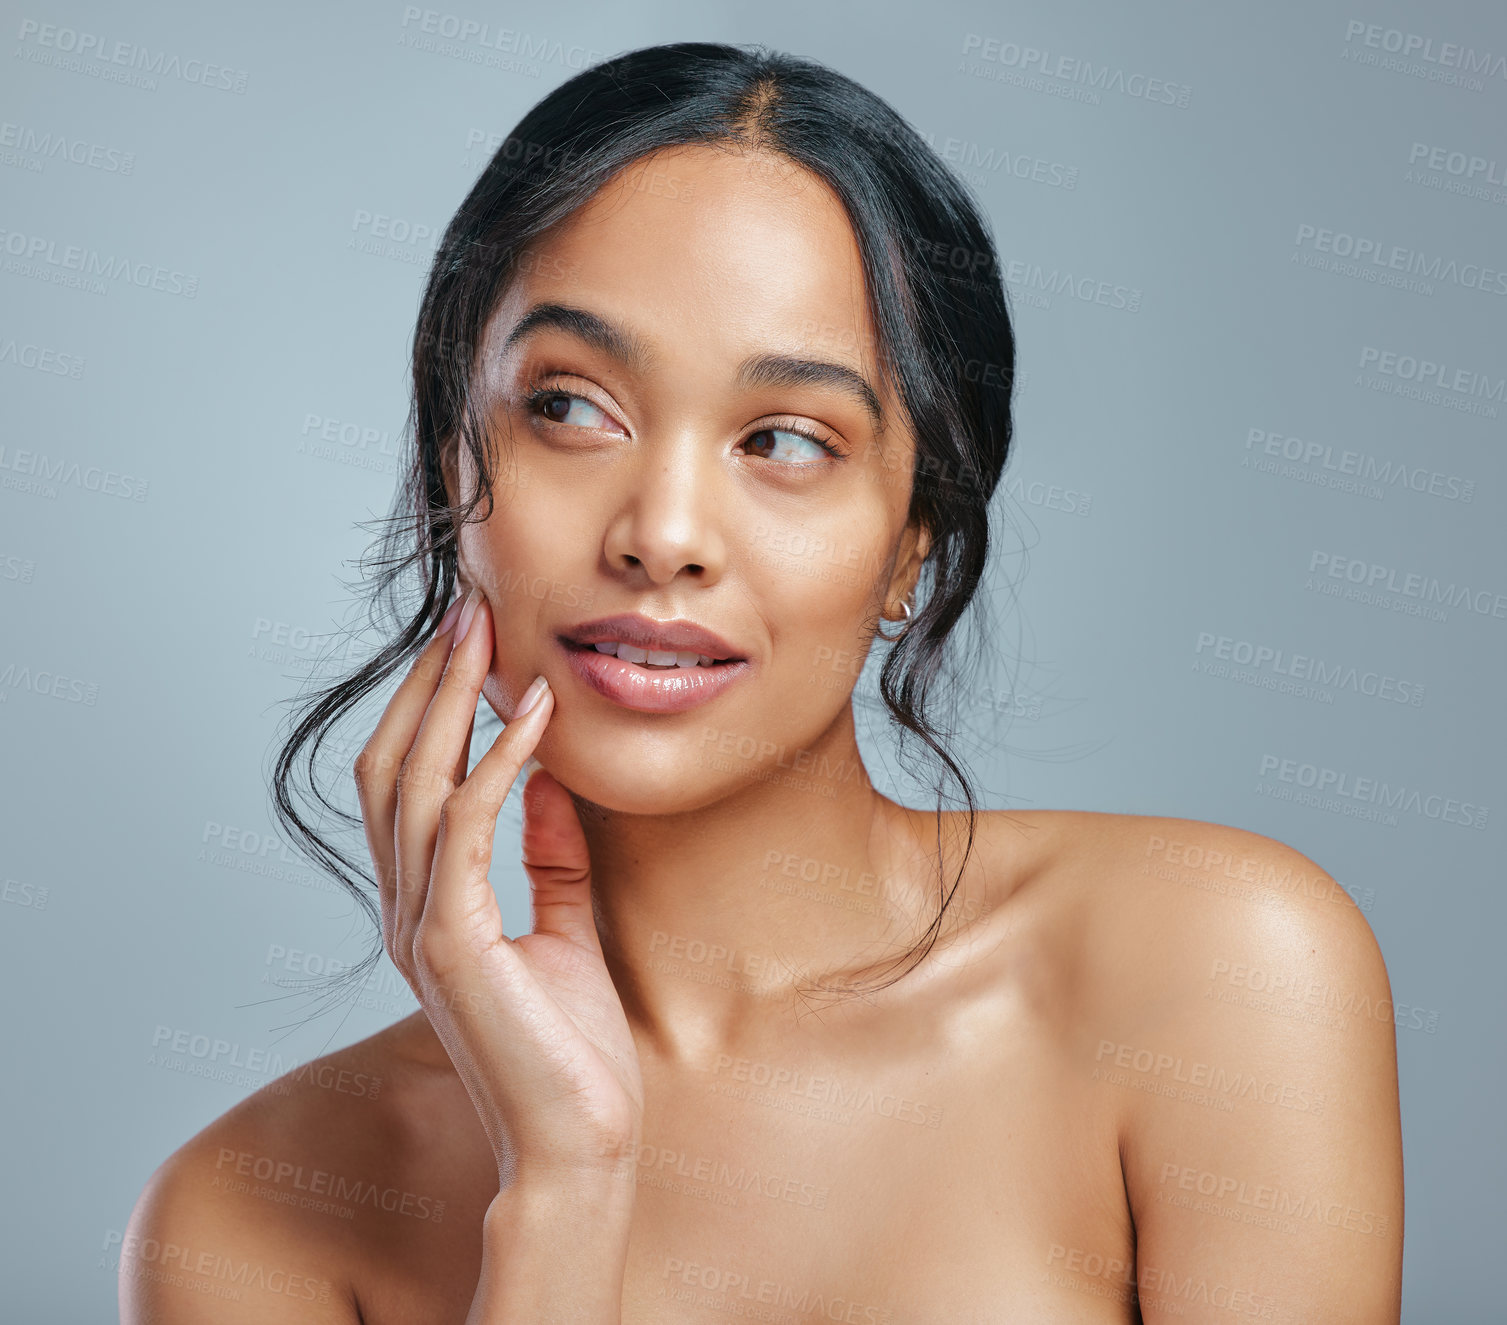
{"x":557,"y":862}
{"x":428,"y":773}
{"x":463,"y":759}
{"x":376,"y":767}
{"x":460,"y":913}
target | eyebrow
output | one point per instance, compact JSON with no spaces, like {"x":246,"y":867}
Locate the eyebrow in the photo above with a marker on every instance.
{"x":790,"y":370}
{"x":584,"y":325}
{"x":757,"y":370}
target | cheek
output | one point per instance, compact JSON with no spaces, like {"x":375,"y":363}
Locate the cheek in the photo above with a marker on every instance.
{"x":521,"y":541}
{"x":817,"y":597}
{"x":831,"y":654}
{"x":520,"y":571}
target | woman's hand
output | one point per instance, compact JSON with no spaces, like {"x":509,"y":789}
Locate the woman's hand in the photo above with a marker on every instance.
{"x":533,"y":1025}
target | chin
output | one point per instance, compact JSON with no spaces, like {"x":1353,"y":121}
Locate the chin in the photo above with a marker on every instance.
{"x":671,"y":781}
{"x":629,"y":772}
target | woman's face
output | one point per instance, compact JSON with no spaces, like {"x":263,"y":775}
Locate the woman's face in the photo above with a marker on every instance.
{"x":683,"y":389}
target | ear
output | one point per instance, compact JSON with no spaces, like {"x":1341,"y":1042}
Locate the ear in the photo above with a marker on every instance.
{"x":915,"y":543}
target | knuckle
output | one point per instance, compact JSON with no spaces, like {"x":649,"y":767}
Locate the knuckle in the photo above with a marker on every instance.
{"x":371,"y":764}
{"x":471,"y":855}
{"x":430,"y":668}
{"x":453,"y":814}
{"x":462,"y":835}
{"x":422,"y":779}
{"x":411,"y":776}
{"x":477,"y":854}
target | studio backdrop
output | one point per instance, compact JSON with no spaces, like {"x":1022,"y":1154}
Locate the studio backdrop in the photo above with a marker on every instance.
{"x":1254,"y":568}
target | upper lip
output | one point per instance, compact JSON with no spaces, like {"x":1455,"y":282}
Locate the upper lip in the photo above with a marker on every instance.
{"x":644,"y":633}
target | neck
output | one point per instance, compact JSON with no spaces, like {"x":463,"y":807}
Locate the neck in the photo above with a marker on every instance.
{"x":714,"y":920}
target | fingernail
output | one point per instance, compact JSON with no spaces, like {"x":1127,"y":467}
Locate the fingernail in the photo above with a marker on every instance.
{"x":467,"y":614}
{"x":531,"y":696}
{"x":451,"y":613}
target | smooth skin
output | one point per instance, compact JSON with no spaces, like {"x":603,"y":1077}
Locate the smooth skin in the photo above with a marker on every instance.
{"x":1086,"y":1103}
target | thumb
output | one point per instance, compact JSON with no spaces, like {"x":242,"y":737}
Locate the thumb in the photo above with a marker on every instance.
{"x":557,"y":862}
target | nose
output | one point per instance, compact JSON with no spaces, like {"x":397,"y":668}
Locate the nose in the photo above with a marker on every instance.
{"x":667,"y":520}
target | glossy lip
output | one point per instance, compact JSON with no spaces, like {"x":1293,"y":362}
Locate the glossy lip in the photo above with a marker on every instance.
{"x":652,"y":689}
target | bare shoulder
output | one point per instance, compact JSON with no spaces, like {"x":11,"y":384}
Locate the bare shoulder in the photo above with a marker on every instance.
{"x":1191,"y":899}
{"x":1234,"y":1011}
{"x":1149,"y":892}
{"x":271,"y":1210}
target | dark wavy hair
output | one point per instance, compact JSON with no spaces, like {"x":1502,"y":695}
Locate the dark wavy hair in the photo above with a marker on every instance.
{"x":945,"y":344}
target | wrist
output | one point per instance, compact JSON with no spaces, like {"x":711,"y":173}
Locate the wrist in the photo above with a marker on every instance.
{"x":545,"y":1187}
{"x":613,"y":1167}
{"x":555,"y":1237}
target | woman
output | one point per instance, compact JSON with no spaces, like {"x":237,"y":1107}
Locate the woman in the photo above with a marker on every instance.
{"x":712,"y":376}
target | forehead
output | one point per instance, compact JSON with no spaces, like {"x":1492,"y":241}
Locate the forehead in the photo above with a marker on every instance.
{"x":717,"y":251}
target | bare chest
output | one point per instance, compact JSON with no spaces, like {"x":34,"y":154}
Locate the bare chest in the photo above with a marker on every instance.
{"x":938,"y":1188}
{"x":819,"y":1198}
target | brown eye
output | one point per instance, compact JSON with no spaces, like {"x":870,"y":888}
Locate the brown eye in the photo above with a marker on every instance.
{"x":785,"y":445}
{"x":561,"y":407}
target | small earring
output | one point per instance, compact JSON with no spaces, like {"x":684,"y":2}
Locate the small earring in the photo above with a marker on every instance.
{"x":905,"y":608}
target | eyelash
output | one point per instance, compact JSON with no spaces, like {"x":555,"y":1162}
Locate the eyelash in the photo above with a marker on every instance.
{"x":535,"y":396}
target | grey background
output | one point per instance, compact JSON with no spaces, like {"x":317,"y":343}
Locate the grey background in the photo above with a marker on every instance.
{"x":152,"y":625}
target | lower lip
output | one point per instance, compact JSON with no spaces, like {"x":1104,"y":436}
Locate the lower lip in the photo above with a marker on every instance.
{"x":652,"y":689}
